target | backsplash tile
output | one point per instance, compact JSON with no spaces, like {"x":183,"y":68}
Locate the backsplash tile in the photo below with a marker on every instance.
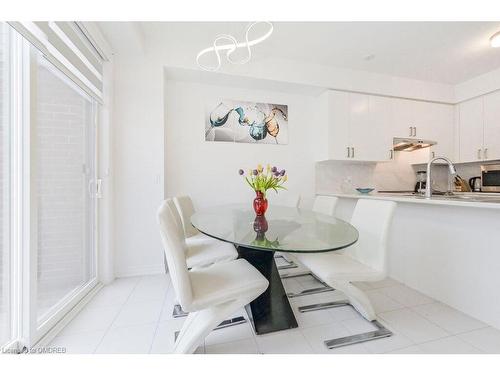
{"x":399,"y":174}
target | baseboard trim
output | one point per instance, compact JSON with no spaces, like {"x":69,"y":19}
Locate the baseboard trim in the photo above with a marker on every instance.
{"x":153,"y":269}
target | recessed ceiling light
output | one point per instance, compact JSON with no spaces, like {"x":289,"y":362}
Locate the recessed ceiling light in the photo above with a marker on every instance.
{"x":495,"y":40}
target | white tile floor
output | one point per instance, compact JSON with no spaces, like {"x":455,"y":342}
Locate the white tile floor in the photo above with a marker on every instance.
{"x":133,"y":315}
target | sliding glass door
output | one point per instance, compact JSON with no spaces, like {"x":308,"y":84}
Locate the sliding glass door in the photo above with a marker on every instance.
{"x":63,"y":175}
{"x":48,"y":189}
{"x":5,"y":316}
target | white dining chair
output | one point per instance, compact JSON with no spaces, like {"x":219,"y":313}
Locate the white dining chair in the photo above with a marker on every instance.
{"x":185,"y":209}
{"x":208,"y":294}
{"x":365,"y":261}
{"x":201,"y":250}
{"x":325,"y":205}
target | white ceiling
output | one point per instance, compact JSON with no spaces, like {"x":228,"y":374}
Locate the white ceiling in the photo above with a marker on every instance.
{"x":444,"y":52}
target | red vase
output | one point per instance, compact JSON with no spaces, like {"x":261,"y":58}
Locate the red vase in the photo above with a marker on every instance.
{"x":260,"y":204}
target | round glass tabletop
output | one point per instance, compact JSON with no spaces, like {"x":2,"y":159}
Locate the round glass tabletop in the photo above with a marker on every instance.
{"x":281,"y":229}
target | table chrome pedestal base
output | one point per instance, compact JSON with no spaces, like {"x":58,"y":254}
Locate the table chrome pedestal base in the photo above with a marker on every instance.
{"x":379,"y":333}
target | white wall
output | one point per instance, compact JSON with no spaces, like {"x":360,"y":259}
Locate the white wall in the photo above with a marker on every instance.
{"x":480,"y":85}
{"x":138,"y":165}
{"x":207,"y":171}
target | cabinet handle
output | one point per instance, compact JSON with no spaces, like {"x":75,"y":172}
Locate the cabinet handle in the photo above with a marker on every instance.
{"x":486,"y":153}
{"x":391,"y":154}
{"x":414,"y":131}
{"x":433,"y":154}
{"x":411,"y":131}
{"x":352,"y":152}
{"x":479,"y":153}
{"x":348,"y":152}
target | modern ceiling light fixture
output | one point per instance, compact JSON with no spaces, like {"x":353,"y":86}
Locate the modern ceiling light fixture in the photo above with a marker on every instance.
{"x":495,"y":40}
{"x":232,"y":46}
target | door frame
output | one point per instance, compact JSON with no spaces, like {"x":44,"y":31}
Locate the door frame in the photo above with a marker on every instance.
{"x":32,"y":331}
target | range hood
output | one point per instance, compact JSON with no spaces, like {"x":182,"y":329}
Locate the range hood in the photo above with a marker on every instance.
{"x":411,"y":144}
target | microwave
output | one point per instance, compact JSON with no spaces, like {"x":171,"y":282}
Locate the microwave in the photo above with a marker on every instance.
{"x":490,"y":178}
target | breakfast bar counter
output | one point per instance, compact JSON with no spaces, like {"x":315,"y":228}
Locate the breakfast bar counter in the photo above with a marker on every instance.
{"x":447,"y":249}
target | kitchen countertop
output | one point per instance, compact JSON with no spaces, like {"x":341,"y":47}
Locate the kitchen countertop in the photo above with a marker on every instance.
{"x":485,"y":200}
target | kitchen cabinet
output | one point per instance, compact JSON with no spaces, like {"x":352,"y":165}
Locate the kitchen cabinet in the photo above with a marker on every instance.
{"x":403,"y":118}
{"x":471,"y":130}
{"x":358,"y":127}
{"x":491,"y":111}
{"x":375,"y":142}
{"x":428,"y":121}
{"x":362,"y":127}
{"x":337,"y":115}
{"x":436,"y":124}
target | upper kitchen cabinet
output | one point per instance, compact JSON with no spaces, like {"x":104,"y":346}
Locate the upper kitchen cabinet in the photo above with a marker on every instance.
{"x":425,"y":120}
{"x":471,"y":130}
{"x":435,"y":122}
{"x":403,"y":118}
{"x":358,"y":127}
{"x":362,"y":127}
{"x":491,"y":110}
{"x":336,"y":112}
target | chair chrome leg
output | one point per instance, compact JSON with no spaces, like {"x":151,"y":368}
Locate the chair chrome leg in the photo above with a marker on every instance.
{"x":292,"y":275}
{"x":323,"y":306}
{"x":286,"y":266}
{"x":379,"y":333}
{"x":306,"y":292}
{"x":178,"y":312}
{"x":224,"y":324}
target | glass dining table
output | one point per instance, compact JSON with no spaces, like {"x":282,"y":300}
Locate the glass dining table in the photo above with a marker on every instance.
{"x":257,"y":238}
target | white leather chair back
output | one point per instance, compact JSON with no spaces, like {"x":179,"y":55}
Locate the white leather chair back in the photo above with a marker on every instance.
{"x":186,"y":210}
{"x":325,"y":205}
{"x":177,"y":218}
{"x":175,"y":248}
{"x":372,"y":219}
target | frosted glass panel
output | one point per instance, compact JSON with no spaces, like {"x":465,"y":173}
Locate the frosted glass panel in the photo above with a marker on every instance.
{"x":4,"y":186}
{"x":64,"y":172}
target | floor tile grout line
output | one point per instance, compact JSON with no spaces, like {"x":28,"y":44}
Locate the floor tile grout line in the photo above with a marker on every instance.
{"x":447,"y":337}
{"x":451,"y":333}
{"x":161,"y":313}
{"x":116,"y":316}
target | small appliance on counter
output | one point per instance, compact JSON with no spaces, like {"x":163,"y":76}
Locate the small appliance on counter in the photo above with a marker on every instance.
{"x":420,"y":185}
{"x":490,"y":178}
{"x":475,"y":183}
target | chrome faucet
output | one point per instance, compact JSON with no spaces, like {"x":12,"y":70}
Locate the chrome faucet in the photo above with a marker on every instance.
{"x":451,"y":167}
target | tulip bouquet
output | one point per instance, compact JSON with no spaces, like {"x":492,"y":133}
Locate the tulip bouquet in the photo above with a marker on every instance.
{"x":261,"y":182}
